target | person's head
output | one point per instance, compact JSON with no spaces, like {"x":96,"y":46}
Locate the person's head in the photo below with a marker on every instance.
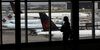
{"x":65,"y":18}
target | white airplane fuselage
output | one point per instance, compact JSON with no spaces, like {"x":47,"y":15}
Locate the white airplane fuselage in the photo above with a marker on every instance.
{"x":56,"y":17}
{"x":36,"y":23}
{"x":35,"y":26}
{"x":59,"y":34}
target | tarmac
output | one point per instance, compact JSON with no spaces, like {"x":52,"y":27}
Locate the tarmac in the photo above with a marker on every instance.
{"x":9,"y":37}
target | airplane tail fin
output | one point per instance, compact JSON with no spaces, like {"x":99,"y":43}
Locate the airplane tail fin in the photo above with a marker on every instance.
{"x":13,"y":7}
{"x":46,"y":23}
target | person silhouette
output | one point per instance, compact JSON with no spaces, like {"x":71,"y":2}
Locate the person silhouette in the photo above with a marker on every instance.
{"x":66,"y":30}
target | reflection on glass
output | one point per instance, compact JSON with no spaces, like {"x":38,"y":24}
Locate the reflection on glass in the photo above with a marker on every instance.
{"x":97,"y":19}
{"x":8,"y":23}
{"x":85,"y":20}
{"x":37,"y":22}
{"x":59,"y":10}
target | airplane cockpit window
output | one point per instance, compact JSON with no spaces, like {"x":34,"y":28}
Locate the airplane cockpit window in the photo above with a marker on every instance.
{"x":85,"y":20}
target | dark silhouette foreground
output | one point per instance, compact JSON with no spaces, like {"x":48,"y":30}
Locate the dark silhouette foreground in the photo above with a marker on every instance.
{"x":67,"y":34}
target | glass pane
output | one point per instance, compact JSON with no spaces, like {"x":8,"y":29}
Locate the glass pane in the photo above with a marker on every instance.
{"x":97,"y":19}
{"x":37,"y":22}
{"x":85,"y":20}
{"x":59,"y":11}
{"x":22,"y":21}
{"x":8,"y":25}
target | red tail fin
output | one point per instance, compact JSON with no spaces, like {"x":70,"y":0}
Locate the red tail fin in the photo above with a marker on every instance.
{"x":9,"y":16}
{"x":46,"y":23}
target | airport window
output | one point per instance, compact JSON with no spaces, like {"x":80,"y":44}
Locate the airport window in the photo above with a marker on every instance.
{"x":58,"y":11}
{"x":97,"y":18}
{"x":8,"y":25}
{"x":37,"y":23}
{"x":85,"y":20}
{"x":33,"y":20}
{"x":22,"y":21}
{"x":35,"y":26}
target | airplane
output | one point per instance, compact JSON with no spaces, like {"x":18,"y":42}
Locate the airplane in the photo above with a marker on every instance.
{"x":56,"y":34}
{"x":56,"y":17}
{"x":8,"y":22}
{"x":33,"y":24}
{"x":11,"y":17}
